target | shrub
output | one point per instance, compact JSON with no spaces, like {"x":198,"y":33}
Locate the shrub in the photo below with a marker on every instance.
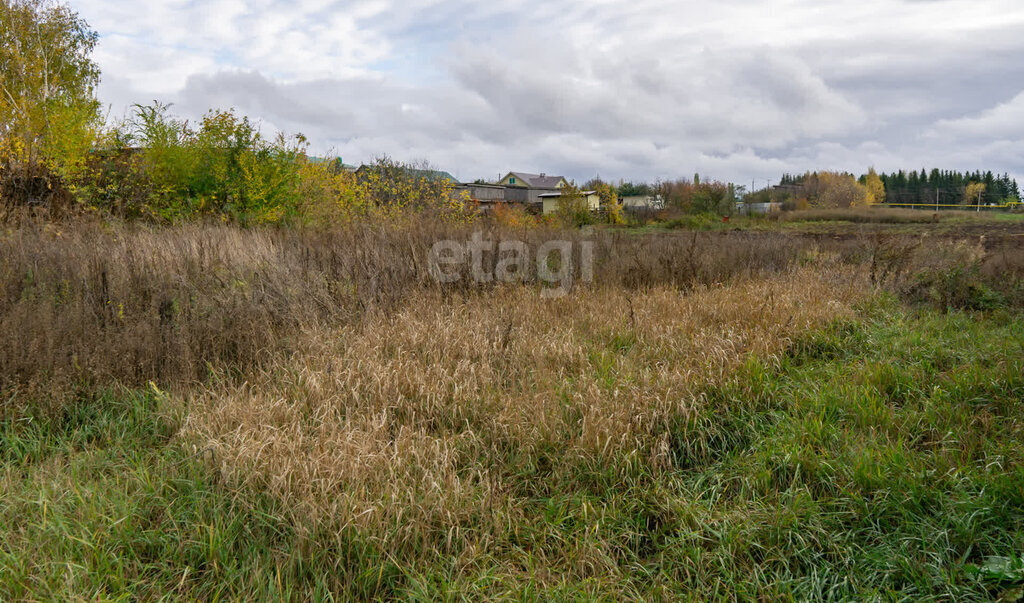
{"x":166,"y":169}
{"x":957,"y":287}
{"x":966,"y":276}
{"x":388,"y":187}
{"x":513,"y":216}
{"x":573,"y":209}
{"x":833,"y":189}
{"x":698,"y":196}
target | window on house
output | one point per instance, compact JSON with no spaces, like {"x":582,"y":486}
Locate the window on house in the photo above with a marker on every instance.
{"x":512,"y":180}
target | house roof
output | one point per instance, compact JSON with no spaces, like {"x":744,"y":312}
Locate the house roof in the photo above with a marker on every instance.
{"x":431,"y":175}
{"x":558,"y":194}
{"x":537,"y":180}
{"x":479,"y":185}
{"x":336,"y":165}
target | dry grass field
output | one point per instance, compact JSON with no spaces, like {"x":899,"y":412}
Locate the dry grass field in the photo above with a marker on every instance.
{"x":214,"y":412}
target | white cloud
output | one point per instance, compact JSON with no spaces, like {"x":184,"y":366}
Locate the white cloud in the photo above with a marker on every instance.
{"x":639,"y":89}
{"x":1004,"y":121}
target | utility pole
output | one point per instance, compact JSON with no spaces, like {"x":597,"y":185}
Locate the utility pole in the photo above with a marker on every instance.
{"x":936,"y":198}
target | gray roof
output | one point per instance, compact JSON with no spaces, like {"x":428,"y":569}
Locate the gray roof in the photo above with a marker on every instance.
{"x":558,"y":194}
{"x":335,"y":160}
{"x":538,"y":180}
{"x":431,"y":175}
{"x":480,"y":185}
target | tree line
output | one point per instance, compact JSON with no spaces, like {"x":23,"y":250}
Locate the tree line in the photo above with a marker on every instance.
{"x":944,"y":187}
{"x":947,"y":186}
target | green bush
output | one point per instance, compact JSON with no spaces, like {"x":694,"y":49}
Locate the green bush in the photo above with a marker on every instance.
{"x":957,"y":287}
{"x":161,"y":167}
{"x":573,"y":209}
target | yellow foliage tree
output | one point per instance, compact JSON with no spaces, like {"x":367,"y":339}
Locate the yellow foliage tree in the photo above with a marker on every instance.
{"x":49,"y":115}
{"x":513,"y":216}
{"x":389,"y":188}
{"x":572,"y":207}
{"x":973,"y":193}
{"x":328,"y":193}
{"x":609,"y":198}
{"x":875,"y":187}
{"x":834,"y":189}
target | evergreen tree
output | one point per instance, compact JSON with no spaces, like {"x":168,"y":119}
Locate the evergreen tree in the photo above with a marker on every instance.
{"x":944,"y":186}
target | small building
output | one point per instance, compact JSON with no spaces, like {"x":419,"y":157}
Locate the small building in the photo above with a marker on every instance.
{"x":483,"y":193}
{"x":551,"y":200}
{"x":486,"y":196}
{"x":642,"y":202}
{"x":794,"y":190}
{"x":758,"y":209}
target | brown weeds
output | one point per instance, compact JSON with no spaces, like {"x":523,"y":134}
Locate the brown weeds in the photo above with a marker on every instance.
{"x":328,"y":369}
{"x":86,"y":306}
{"x":419,"y":424}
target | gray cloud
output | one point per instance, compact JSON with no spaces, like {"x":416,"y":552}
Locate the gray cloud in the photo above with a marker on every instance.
{"x":644,"y":89}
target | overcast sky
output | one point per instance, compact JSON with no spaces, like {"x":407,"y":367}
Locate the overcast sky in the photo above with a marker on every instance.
{"x":638,"y":89}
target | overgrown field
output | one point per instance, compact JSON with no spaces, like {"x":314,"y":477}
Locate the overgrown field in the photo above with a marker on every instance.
{"x":848,"y":222}
{"x":215,"y":412}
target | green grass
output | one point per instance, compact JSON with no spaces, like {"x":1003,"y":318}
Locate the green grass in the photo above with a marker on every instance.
{"x":103,"y":503}
{"x":886,"y":460}
{"x":880,"y":458}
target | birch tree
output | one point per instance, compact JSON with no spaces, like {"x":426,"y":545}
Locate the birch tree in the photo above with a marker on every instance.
{"x":48,"y":110}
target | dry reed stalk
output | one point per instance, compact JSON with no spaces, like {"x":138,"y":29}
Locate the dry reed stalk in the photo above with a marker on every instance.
{"x":421,"y":422}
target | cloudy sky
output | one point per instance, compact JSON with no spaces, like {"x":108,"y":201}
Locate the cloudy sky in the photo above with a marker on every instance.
{"x":739,"y":90}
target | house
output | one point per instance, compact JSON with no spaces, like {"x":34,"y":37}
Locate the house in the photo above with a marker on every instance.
{"x":757,"y":209}
{"x":516,"y":188}
{"x":524,"y":187}
{"x":642,"y":202}
{"x":525,"y":180}
{"x":550,"y":201}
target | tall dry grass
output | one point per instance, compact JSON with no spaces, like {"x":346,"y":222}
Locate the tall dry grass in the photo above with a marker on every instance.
{"x":881,"y":215}
{"x":86,"y":306}
{"x":89,"y":305}
{"x":431,"y":429}
{"x":459,"y":430}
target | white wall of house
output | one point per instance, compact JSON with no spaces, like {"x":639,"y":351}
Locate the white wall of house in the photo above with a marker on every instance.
{"x":643,"y":202}
{"x":757,"y":209}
